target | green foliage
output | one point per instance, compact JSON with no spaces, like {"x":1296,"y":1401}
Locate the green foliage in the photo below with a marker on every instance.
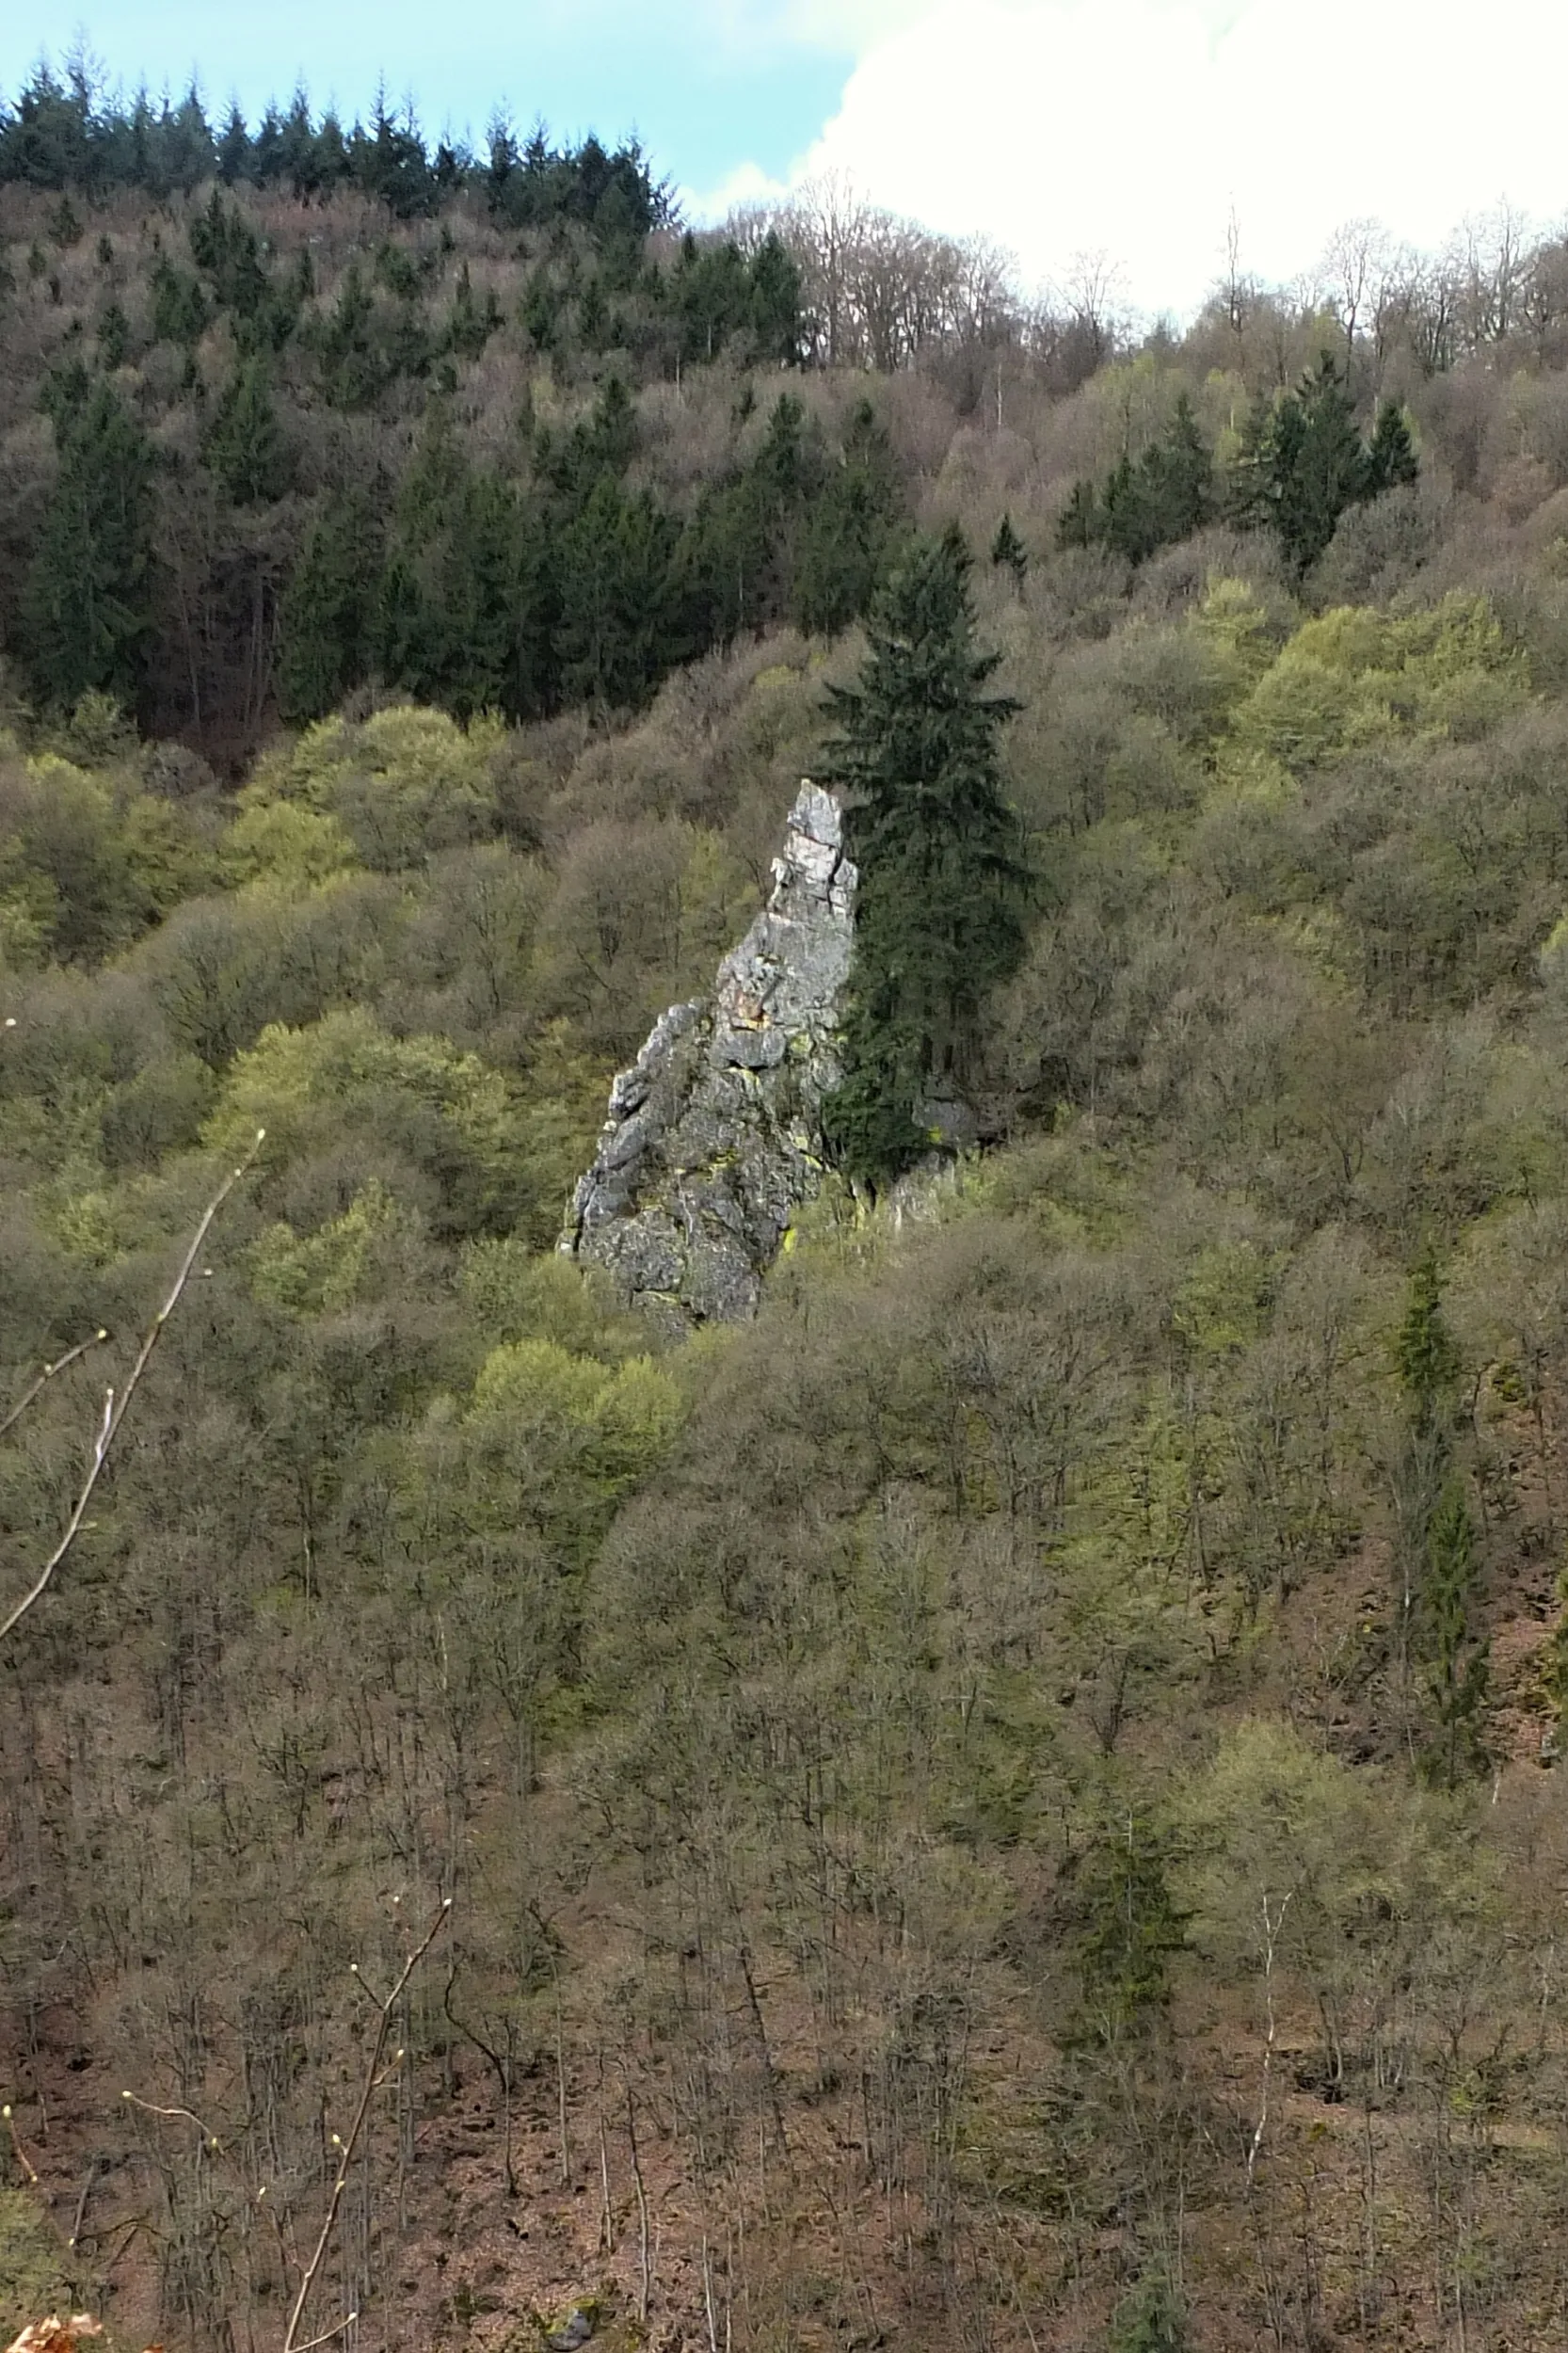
{"x":1008,"y":551}
{"x":35,"y":2279}
{"x":402,"y":786}
{"x":1152,"y":2317}
{"x":1424,"y":1350}
{"x":1459,"y":1662}
{"x":1355,"y":678}
{"x":851,"y":530}
{"x":363,"y":1252}
{"x":943,"y":878}
{"x":1130,"y":1930}
{"x":330,"y":612}
{"x":1303,"y":463}
{"x":1141,"y":508}
{"x":86,"y":603}
{"x":245,"y":446}
{"x":956,"y":1717}
{"x":440,"y":1112}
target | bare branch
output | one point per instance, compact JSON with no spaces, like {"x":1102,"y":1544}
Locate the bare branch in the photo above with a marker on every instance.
{"x":115,"y":1411}
{"x":346,"y":2153}
{"x":61,"y":1364}
{"x":328,"y":2334}
{"x":29,"y":2171}
{"x":190,"y":2115}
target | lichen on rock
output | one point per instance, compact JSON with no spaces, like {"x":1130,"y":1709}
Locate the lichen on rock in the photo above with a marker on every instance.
{"x":713,"y":1137}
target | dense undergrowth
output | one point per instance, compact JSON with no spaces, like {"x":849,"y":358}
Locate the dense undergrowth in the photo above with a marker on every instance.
{"x":930,"y":1710}
{"x":1011,"y":1802}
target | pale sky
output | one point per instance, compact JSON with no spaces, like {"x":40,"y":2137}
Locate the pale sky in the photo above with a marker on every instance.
{"x":1135,"y":127}
{"x":1127,"y":127}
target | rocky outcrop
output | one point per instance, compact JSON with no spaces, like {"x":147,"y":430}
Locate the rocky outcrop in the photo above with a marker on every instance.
{"x":713,"y":1139}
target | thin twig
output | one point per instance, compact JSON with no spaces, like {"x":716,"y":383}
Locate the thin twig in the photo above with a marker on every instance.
{"x":114,"y":1411}
{"x":61,"y":1364}
{"x":328,"y":2334}
{"x":89,"y":2180}
{"x":348,"y":2147}
{"x":148,"y":2108}
{"x":29,"y":2170}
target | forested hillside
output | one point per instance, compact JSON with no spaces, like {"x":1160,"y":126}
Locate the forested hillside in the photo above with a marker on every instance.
{"x":1014,"y":1801}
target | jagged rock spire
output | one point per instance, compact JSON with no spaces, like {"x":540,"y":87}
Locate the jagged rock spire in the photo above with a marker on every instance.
{"x":713,"y":1139}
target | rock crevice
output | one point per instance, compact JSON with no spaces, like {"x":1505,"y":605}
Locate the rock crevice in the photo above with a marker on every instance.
{"x":713,"y":1138}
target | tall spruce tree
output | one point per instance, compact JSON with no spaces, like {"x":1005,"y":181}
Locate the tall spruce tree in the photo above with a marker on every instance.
{"x":944,"y":873}
{"x":329,"y":610}
{"x":850,"y":531}
{"x":1317,"y":464}
{"x":1008,"y":550}
{"x":86,"y":606}
{"x":1458,"y":1659}
{"x":244,"y":447}
{"x":1391,"y":460}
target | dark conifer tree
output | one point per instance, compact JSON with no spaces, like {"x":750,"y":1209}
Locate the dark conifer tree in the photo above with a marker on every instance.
{"x":944,"y":875}
{"x":232,"y":150}
{"x":1008,"y":551}
{"x":1080,"y":523}
{"x":1391,"y":460}
{"x":1317,"y":464}
{"x":330,"y":611}
{"x":245,"y":446}
{"x":849,"y":531}
{"x":1458,"y":1661}
{"x":88,"y":599}
{"x":775,"y":302}
{"x":615,"y":567}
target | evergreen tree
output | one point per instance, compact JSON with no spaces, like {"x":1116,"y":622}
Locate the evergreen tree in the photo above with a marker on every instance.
{"x":329,"y":611}
{"x":88,"y":597}
{"x":1317,"y":464}
{"x":224,"y":245}
{"x":1247,"y":501}
{"x":179,"y":305}
{"x":1180,"y":471}
{"x":1458,"y":1663}
{"x":1425,"y":1356}
{"x":113,"y":337}
{"x":1303,"y":463}
{"x":1008,"y":550}
{"x":244,"y":447}
{"x":1391,"y":460}
{"x":614,"y":635}
{"x":849,"y":531}
{"x":1078,"y":526}
{"x":944,"y":879}
{"x":234,"y":156}
{"x":775,"y":303}
{"x":352,"y":369}
{"x":1436,"y":1539}
{"x":1153,"y":2318}
{"x":1156,"y":502}
{"x":1130,"y":1929}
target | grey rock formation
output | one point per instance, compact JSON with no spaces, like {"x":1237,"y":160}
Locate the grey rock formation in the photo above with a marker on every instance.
{"x":713,"y":1139}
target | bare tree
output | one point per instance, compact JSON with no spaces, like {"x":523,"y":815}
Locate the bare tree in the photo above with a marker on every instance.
{"x":1093,"y":290}
{"x":1494,"y":253}
{"x":1355,"y":263}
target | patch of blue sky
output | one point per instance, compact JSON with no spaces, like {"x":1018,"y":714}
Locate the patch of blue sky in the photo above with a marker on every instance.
{"x":704,"y":96}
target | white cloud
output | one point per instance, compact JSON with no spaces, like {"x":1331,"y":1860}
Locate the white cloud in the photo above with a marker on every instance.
{"x":1134,"y":126}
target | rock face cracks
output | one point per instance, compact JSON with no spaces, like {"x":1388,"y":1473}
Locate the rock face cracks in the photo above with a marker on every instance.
{"x":713,"y":1135}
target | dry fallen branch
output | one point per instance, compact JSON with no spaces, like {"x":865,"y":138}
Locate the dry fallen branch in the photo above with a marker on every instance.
{"x":115,"y":1409}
